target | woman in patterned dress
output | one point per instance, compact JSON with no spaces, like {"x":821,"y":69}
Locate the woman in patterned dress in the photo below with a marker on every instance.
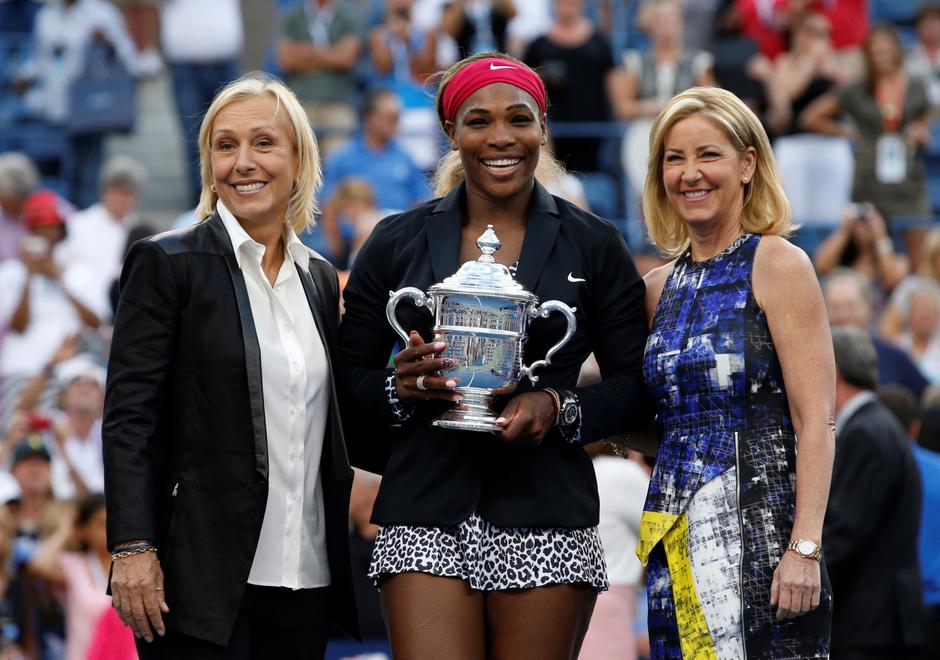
{"x":739,"y":360}
{"x":489,"y":544}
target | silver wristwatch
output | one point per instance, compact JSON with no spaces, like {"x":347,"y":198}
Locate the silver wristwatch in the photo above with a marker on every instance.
{"x":569,"y":412}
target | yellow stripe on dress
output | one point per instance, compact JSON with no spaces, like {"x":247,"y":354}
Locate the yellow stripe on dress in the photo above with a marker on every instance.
{"x":653,"y":527}
{"x":694,"y":636}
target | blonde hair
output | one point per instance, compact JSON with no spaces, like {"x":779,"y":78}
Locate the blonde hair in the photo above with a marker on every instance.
{"x":450,"y":171}
{"x":302,"y":206}
{"x":766,"y":209}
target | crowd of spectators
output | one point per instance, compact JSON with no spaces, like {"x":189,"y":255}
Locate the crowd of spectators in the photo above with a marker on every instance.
{"x":851,"y":103}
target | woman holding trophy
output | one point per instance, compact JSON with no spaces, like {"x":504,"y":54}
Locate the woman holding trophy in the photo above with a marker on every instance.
{"x":489,"y":546}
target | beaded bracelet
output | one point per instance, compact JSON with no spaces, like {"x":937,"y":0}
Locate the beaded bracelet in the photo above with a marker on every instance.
{"x":133,"y":550}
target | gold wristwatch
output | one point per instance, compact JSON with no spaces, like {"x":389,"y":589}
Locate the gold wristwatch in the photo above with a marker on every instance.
{"x":805,"y":548}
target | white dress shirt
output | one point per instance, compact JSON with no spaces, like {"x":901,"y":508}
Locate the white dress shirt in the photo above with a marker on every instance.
{"x":291,"y":551}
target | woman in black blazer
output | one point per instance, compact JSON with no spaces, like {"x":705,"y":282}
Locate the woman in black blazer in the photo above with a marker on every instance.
{"x":489,"y":544}
{"x":226,"y":472}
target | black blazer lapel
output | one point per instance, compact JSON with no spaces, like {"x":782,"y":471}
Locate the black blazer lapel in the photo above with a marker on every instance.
{"x":315,"y":302}
{"x":541,"y":233}
{"x":443,"y":232}
{"x":250,"y":339}
{"x":338,"y":456}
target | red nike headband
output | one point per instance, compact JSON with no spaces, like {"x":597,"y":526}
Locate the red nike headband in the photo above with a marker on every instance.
{"x":486,"y":72}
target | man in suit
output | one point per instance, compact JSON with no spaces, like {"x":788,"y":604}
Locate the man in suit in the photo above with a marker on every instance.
{"x":871,"y":526}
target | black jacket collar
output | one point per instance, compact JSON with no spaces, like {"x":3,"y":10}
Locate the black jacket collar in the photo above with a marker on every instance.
{"x":445,"y":223}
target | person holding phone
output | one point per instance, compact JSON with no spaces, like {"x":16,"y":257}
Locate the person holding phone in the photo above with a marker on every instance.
{"x":42,"y":299}
{"x":862,"y":242}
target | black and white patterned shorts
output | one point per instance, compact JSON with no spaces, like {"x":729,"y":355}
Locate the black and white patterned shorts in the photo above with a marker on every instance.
{"x":491,"y":558}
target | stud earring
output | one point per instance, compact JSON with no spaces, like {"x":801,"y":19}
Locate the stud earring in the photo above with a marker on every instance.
{"x":744,"y":180}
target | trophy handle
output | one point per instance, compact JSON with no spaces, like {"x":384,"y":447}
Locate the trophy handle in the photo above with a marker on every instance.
{"x":415,"y":294}
{"x":544,"y":310}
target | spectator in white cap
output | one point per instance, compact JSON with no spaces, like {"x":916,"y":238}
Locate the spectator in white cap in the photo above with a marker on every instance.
{"x":78,"y":381}
{"x":77,"y":467}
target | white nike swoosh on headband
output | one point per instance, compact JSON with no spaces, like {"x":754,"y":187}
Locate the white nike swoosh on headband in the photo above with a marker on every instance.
{"x":494,"y":67}
{"x":572,"y":278}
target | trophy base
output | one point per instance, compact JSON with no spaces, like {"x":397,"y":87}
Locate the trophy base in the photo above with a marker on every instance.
{"x":472,"y":413}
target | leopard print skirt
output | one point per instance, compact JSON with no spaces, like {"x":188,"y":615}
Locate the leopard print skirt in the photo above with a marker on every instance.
{"x":490,"y":558}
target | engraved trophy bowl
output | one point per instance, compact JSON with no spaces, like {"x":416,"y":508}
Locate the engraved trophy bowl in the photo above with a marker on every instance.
{"x":483,"y":314}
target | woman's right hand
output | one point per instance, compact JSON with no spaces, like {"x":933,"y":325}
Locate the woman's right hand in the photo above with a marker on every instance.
{"x":419,"y":360}
{"x":137,"y":594}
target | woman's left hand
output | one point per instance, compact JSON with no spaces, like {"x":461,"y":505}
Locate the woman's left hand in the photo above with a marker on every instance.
{"x":526,"y":419}
{"x":796,"y":586}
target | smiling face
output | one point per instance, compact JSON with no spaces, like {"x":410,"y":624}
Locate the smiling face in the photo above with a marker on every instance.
{"x":253,"y":160}
{"x":498,"y":131}
{"x":703,"y":173}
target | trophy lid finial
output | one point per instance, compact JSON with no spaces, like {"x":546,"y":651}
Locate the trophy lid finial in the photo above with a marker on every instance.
{"x":484,"y":276}
{"x":488,"y":243}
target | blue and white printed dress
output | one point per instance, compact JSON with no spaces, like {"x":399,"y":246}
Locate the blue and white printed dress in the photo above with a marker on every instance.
{"x":721,"y":500}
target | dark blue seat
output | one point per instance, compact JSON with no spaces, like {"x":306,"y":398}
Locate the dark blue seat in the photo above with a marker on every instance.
{"x":894,"y":11}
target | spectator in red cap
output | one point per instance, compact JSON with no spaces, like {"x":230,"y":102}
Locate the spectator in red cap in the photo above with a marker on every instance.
{"x":41,"y":299}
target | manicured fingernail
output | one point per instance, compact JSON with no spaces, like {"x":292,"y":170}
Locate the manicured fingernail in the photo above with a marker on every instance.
{"x":451,"y":384}
{"x":439,"y":346}
{"x":500,"y":420}
{"x":448,"y":363}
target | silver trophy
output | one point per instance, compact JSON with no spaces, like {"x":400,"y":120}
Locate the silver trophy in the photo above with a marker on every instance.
{"x":482,"y":313}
